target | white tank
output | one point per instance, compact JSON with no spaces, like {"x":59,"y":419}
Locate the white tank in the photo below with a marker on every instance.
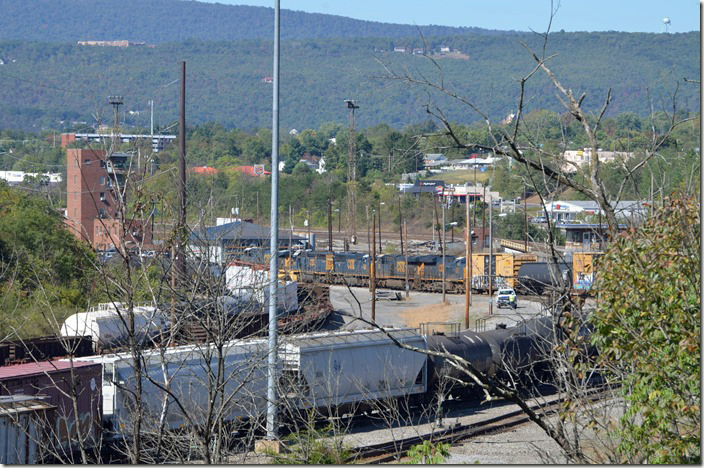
{"x":108,"y":327}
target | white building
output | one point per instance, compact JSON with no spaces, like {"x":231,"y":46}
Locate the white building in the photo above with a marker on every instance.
{"x":17,"y":177}
{"x":573,"y":159}
{"x":567,"y":211}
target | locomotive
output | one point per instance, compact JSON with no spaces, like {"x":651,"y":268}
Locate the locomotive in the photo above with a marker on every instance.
{"x":425,"y":272}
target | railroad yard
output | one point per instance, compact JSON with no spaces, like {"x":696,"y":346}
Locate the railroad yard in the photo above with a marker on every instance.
{"x":528,"y":443}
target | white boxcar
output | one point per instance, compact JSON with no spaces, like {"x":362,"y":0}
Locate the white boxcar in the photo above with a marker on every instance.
{"x":342,"y":369}
{"x":189,"y":373}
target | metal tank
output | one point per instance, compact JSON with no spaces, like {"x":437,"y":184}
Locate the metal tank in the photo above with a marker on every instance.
{"x":534,"y":278}
{"x":468,"y":345}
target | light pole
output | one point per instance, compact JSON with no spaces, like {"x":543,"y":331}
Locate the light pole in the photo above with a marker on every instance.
{"x":272,"y":403}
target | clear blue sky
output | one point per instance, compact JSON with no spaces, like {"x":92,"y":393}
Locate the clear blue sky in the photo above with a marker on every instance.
{"x":520,"y":15}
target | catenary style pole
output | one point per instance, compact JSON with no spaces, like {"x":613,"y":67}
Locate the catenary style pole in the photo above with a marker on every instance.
{"x":274,"y":242}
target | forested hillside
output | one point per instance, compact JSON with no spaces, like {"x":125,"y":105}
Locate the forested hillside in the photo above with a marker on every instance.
{"x":157,"y":21}
{"x":46,"y":85}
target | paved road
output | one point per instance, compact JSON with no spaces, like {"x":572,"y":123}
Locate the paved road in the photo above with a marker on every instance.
{"x":420,"y":308}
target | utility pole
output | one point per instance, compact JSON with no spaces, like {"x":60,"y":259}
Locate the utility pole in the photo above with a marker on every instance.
{"x":352,"y":175}
{"x":405,"y":229}
{"x":369,"y":237}
{"x":525,"y":219}
{"x":308,"y":225}
{"x":151,"y":120}
{"x":400,"y":223}
{"x":257,"y":207}
{"x":271,"y":406}
{"x":491,"y":252}
{"x":290,"y":230}
{"x":468,"y":260}
{"x":443,"y":253}
{"x":380,"y":249}
{"x":372,"y":267}
{"x":330,"y":224}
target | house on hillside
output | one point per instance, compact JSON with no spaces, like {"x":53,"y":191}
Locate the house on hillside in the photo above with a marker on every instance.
{"x":574,"y":159}
{"x":434,"y":160}
{"x":316,"y":163}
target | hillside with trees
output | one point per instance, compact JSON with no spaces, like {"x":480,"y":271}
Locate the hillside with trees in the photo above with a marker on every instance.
{"x":156,"y":21}
{"x":225,"y":79}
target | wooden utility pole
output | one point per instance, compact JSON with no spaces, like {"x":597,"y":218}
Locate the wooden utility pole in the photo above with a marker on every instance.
{"x":405,"y":234}
{"x":525,"y":219}
{"x":372,"y":268}
{"x":379,"y":206}
{"x":467,"y":263}
{"x":400,"y":223}
{"x":330,"y":224}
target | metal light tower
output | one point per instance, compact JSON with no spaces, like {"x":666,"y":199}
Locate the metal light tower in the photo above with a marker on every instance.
{"x":271,"y":406}
{"x":352,"y":176}
{"x":115,"y":102}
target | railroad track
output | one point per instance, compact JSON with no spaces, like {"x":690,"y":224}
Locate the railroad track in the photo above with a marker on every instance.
{"x":394,"y":450}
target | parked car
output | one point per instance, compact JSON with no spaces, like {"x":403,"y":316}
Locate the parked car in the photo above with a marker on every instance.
{"x":539,"y":220}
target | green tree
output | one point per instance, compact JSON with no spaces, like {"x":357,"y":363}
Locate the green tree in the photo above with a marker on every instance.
{"x":42,"y":265}
{"x":647,"y":329}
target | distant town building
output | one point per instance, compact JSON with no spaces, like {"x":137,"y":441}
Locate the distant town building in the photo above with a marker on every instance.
{"x":203,"y":170}
{"x":418,"y":51}
{"x":444,"y":49}
{"x":567,"y":211}
{"x":94,"y":182}
{"x":159,"y":142}
{"x":268,"y":79}
{"x":121,"y":43}
{"x":223,"y":242}
{"x":434,"y":160}
{"x":573,"y":159}
{"x":399,"y":49}
{"x":14,"y":178}
{"x":316,"y":163}
{"x":255,"y":171}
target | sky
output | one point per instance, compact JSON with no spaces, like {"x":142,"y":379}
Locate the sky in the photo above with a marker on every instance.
{"x":520,"y":15}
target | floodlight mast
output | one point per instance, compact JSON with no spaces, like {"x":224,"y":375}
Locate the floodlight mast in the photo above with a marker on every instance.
{"x":352,"y":175}
{"x":274,"y":242}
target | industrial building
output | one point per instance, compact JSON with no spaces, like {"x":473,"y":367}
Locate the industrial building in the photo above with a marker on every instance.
{"x":96,"y":185}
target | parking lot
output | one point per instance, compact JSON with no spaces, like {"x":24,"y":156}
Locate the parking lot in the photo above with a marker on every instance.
{"x":421,"y":307}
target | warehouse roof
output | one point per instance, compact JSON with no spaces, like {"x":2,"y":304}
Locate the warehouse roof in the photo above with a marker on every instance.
{"x":33,"y":368}
{"x":240,"y":230}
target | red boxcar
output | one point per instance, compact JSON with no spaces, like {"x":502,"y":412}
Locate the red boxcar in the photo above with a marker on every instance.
{"x":62,"y":382}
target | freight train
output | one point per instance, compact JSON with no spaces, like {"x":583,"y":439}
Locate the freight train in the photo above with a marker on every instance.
{"x":425,"y":272}
{"x":330,"y":373}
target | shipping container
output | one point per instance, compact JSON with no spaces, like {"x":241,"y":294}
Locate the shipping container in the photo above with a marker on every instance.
{"x":57,"y":381}
{"x":23,"y":429}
